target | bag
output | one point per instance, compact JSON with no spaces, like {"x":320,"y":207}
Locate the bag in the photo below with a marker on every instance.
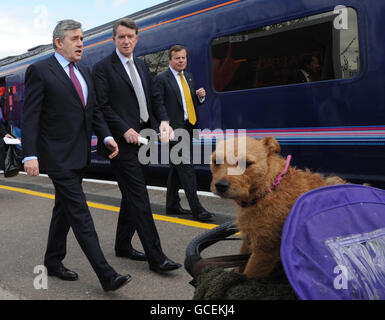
{"x":333,"y":244}
{"x":12,"y":163}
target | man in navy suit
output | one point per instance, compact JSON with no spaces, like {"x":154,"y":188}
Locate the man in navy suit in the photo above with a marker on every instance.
{"x":3,"y":133}
{"x":59,"y":115}
{"x":124,"y":85}
{"x":176,"y":89}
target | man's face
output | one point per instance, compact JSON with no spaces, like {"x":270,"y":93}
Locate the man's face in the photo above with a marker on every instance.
{"x":314,"y":66}
{"x":125,"y":40}
{"x":71,"y":47}
{"x":178,"y":60}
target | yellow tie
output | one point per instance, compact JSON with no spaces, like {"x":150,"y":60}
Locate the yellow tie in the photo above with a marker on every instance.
{"x":192,"y":118}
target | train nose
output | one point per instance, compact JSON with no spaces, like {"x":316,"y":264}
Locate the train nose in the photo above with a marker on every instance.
{"x":222,"y":186}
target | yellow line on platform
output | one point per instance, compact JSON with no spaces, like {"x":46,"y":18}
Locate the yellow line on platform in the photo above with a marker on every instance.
{"x":100,"y":206}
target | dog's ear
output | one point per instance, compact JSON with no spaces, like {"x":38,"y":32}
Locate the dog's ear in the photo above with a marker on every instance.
{"x":271,"y":145}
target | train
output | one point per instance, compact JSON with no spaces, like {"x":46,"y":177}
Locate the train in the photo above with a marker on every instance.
{"x":245,"y":53}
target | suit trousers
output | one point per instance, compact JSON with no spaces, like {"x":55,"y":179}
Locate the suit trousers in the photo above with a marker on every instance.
{"x":183,"y":176}
{"x":135,"y":211}
{"x":71,"y":210}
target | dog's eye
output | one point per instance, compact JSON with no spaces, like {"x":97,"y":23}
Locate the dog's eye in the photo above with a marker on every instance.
{"x":248,"y":164}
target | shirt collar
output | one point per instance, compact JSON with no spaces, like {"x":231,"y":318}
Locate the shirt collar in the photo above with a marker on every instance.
{"x":123,"y":58}
{"x":63,"y":61}
{"x":306,"y":74}
{"x":175,"y":73}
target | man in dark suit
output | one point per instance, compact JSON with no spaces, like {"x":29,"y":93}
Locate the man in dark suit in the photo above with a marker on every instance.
{"x":308,"y":72}
{"x":123,"y":84}
{"x":3,"y":133}
{"x":178,"y":95}
{"x":59,"y":115}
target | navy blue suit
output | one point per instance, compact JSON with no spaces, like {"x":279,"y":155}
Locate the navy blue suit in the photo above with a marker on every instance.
{"x":181,"y":175}
{"x":117,"y":98}
{"x":57,"y":128}
{"x":3,"y":132}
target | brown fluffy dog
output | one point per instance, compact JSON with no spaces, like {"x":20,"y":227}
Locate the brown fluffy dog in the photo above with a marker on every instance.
{"x":263,"y":203}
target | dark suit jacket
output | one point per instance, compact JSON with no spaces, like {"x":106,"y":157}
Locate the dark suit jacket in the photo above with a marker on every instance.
{"x":170,"y":96}
{"x":55,"y":126}
{"x":116,"y":97}
{"x":3,"y":132}
{"x":297,"y":77}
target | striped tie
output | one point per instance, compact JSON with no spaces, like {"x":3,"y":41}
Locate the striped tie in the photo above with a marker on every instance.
{"x":192,"y":118}
{"x":76,"y":83}
{"x":138,"y":88}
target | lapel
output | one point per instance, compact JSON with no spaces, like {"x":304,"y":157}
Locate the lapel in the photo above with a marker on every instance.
{"x":62,"y":76}
{"x":118,"y":67}
{"x":175,"y":86}
{"x":189,"y":80}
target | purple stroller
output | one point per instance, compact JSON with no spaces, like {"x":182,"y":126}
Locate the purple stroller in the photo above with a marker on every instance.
{"x":333,"y":244}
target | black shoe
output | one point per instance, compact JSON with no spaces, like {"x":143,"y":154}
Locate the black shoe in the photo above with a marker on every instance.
{"x":63,"y":273}
{"x":178,"y":211}
{"x":116,"y":282}
{"x":131,"y":254}
{"x":203,"y":216}
{"x":166,"y":266}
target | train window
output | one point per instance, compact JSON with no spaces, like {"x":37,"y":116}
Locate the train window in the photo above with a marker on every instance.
{"x":314,"y":48}
{"x":157,"y":61}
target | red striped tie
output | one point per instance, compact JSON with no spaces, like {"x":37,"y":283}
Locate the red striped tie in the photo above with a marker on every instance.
{"x":76,"y":83}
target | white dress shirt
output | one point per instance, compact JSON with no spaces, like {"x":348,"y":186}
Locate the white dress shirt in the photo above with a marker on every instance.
{"x":177,"y":78}
{"x":124,"y":61}
{"x":66,"y":66}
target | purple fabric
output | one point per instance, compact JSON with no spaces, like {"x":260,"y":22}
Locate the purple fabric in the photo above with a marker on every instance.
{"x":333,"y":243}
{"x":76,"y":83}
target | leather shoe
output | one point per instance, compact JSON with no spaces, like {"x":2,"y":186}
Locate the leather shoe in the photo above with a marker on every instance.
{"x":166,"y":266}
{"x":203,"y":216}
{"x":63,"y":273}
{"x":131,"y":254}
{"x":178,"y":211}
{"x":116,"y":282}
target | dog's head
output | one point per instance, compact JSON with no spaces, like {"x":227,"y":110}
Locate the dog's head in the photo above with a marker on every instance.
{"x":242,"y":166}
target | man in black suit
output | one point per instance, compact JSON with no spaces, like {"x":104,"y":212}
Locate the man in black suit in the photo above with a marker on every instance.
{"x":59,"y":115}
{"x":178,"y":95}
{"x":3,"y":133}
{"x":308,"y":72}
{"x":123,"y":84}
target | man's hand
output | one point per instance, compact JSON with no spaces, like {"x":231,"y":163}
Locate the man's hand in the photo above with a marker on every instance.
{"x":201,"y":93}
{"x":131,"y":136}
{"x":9,"y":136}
{"x":31,"y":167}
{"x":113,"y":147}
{"x":166,"y":132}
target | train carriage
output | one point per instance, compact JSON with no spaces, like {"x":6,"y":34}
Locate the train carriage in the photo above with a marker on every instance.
{"x":245,"y":53}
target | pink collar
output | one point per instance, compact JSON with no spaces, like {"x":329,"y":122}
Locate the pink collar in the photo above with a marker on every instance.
{"x":277,"y":181}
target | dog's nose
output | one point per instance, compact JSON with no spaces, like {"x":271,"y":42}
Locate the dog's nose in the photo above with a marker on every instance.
{"x":222,"y":186}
